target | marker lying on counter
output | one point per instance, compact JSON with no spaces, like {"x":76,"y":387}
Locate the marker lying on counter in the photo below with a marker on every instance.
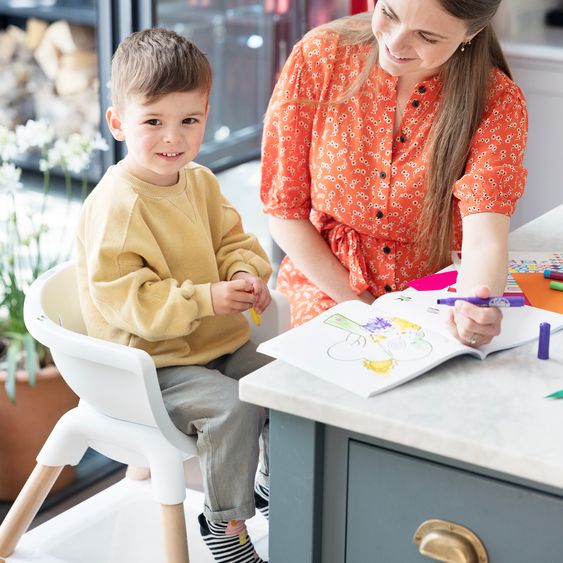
{"x":502,"y":301}
{"x":553,"y":274}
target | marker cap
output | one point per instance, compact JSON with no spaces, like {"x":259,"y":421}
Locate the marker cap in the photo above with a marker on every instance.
{"x":543,"y":344}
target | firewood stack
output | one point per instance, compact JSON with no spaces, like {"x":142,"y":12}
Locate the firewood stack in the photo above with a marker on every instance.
{"x":50,"y":72}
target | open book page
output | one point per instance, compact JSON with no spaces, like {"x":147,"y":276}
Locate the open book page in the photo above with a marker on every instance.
{"x":519,"y":324}
{"x":369,"y":349}
{"x":363,"y":349}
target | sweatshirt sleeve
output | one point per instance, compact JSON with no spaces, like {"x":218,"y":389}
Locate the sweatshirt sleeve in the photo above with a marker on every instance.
{"x":129,"y":294}
{"x":237,"y":250}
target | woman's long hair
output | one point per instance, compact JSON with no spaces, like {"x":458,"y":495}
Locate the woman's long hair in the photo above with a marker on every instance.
{"x":465,"y":76}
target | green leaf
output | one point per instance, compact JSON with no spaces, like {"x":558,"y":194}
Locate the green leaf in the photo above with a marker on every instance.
{"x":556,"y":395}
{"x":11,"y":367}
{"x":30,"y":357}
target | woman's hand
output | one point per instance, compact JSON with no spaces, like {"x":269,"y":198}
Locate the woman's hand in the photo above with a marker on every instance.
{"x":473,"y":325}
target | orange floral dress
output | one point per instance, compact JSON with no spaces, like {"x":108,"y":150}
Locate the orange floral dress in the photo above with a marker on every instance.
{"x":341,"y":166}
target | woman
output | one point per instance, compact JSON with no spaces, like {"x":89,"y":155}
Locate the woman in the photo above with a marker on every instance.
{"x":386,"y":138}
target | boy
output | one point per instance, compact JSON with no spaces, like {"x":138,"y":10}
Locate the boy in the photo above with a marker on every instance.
{"x":164,"y":265}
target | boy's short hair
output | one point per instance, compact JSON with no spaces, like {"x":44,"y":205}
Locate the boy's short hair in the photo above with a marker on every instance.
{"x":155,"y":62}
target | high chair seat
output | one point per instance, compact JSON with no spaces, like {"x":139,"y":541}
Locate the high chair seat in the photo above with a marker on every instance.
{"x":121,"y":413}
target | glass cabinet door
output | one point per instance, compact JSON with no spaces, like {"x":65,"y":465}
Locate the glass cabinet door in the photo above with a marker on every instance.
{"x":247,"y":42}
{"x":51,"y":72}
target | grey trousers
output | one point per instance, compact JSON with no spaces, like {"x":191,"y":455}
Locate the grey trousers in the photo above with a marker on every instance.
{"x":232,"y":436}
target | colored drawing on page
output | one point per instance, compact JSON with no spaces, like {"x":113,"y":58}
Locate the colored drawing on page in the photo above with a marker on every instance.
{"x":380,"y":344}
{"x":530,"y":265}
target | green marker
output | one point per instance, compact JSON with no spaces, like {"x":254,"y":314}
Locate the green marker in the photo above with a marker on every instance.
{"x":556,"y":395}
{"x":556,"y":285}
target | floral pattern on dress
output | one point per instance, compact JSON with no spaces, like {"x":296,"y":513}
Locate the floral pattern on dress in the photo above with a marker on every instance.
{"x":341,"y":166}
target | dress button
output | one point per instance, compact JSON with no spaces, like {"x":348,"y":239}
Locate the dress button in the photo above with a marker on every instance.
{"x":382,"y":175}
{"x":386,"y":250}
{"x":388,"y":288}
{"x":402,"y":138}
{"x":379,"y":214}
{"x":415,"y":103}
{"x":422,"y":89}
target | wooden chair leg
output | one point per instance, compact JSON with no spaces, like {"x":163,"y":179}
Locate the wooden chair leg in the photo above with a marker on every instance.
{"x":137,"y":473}
{"x":174,"y":535}
{"x":25,"y":507}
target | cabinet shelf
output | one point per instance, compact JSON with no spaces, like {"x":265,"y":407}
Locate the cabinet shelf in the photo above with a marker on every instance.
{"x":80,"y":13}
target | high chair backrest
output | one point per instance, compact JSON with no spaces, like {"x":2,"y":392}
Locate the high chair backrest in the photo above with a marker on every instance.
{"x":115,"y":380}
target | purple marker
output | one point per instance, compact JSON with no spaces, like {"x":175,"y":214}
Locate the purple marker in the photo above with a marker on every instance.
{"x":553,"y":274}
{"x":502,"y":301}
{"x":543,"y":344}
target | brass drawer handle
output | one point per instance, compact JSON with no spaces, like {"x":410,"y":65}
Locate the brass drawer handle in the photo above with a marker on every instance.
{"x":448,"y":542}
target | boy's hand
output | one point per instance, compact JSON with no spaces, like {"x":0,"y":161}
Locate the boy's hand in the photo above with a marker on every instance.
{"x":258,"y":289}
{"x":234,"y":296}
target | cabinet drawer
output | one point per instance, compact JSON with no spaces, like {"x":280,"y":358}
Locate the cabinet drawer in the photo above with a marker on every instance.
{"x":391,"y":494}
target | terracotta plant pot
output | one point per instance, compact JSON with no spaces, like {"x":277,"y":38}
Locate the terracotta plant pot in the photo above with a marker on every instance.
{"x":24,"y":427}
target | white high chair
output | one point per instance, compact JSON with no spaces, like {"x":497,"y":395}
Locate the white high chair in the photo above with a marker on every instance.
{"x":121,"y":413}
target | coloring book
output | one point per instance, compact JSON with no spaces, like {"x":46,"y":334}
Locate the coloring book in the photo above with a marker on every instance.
{"x":369,"y":349}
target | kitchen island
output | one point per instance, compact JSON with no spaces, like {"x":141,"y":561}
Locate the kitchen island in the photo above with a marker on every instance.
{"x":470,"y":444}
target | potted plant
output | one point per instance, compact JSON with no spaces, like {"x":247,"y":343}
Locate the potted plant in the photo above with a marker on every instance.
{"x":35,"y":395}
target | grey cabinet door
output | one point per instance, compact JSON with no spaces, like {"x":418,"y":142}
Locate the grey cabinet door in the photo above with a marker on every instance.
{"x":391,"y":494}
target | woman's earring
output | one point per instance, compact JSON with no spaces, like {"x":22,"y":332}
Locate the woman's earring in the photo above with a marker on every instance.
{"x":463,"y":45}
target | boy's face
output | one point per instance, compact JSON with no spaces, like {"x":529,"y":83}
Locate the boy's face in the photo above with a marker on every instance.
{"x":161,"y":136}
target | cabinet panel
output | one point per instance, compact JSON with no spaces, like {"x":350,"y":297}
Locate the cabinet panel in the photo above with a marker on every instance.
{"x":538,"y":76}
{"x":542,"y":84}
{"x":391,"y":494}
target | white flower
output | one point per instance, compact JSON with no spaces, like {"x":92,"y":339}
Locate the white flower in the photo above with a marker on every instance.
{"x":55,"y":156}
{"x":74,"y":153}
{"x":30,"y":226}
{"x":99,"y":143}
{"x":8,"y":144}
{"x":9,"y":177}
{"x":34,"y":134}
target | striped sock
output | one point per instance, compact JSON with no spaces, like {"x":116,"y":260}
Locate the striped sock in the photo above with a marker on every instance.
{"x":228,"y":541}
{"x":262,"y":499}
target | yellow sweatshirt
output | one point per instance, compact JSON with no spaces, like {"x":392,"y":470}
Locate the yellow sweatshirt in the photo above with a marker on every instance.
{"x":147,"y":256}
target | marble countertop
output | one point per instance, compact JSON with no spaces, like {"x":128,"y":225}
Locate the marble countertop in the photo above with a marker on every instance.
{"x":490,"y":413}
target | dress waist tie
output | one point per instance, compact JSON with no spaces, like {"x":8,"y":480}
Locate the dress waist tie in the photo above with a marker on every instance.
{"x":345,"y":245}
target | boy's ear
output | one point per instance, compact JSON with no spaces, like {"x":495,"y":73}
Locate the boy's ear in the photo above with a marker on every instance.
{"x":114,"y":124}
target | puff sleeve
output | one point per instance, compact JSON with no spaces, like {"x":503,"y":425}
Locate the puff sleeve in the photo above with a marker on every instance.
{"x":495,"y":177}
{"x":286,"y":142}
